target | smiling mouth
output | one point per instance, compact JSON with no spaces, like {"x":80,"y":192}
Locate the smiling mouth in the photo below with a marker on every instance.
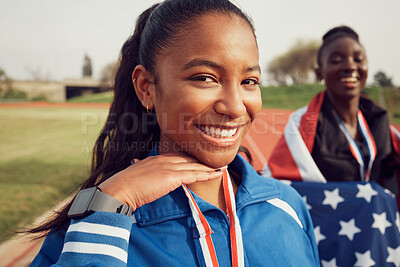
{"x":350,"y":79}
{"x":218,"y":132}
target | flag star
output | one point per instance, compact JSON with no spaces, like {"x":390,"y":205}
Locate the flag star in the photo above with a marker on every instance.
{"x":318,"y":235}
{"x":364,"y":259}
{"x":331,"y":263}
{"x":394,"y":256}
{"x":305,"y":200}
{"x":332,"y":198}
{"x":380,"y":222}
{"x":349,"y":229}
{"x":366,"y":191}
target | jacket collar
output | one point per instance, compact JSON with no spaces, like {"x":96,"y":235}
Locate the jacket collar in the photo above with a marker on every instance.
{"x":254,"y":188}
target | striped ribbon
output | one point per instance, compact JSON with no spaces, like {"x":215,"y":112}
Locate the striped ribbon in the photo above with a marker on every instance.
{"x":204,"y":229}
{"x":365,"y":172}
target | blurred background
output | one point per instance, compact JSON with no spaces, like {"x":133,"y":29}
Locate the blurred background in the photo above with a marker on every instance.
{"x":57,"y":60}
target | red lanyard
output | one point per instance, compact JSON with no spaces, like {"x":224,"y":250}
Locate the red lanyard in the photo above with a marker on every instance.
{"x":365,"y":172}
{"x":205,"y":231}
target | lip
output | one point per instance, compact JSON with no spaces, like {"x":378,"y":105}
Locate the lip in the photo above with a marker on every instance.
{"x":350,"y":82}
{"x":221,"y":141}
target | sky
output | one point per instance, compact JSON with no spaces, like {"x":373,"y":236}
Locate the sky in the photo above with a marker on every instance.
{"x":51,"y":37}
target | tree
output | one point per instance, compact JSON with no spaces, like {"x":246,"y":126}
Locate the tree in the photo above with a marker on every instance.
{"x":296,"y":65}
{"x":87,"y":66}
{"x":382,"y":80}
{"x":107,"y":75}
{"x":5,"y":83}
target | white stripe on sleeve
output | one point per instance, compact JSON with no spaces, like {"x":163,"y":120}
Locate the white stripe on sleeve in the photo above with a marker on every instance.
{"x":286,"y":208}
{"x":93,"y":248}
{"x":101,"y":229}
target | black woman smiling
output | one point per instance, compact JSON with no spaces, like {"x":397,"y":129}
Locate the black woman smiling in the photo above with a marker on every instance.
{"x":342,"y":136}
{"x":186,"y":93}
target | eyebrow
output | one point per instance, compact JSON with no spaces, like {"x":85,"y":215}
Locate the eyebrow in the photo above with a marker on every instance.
{"x":214,"y":65}
{"x":201,"y":62}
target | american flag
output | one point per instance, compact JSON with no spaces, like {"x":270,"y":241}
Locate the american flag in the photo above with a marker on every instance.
{"x":355,"y":224}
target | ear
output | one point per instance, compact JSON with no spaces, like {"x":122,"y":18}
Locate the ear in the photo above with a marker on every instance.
{"x":144,"y":86}
{"x":318,"y":73}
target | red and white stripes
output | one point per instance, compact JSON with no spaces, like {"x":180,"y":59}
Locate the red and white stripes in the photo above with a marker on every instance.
{"x":205,"y":231}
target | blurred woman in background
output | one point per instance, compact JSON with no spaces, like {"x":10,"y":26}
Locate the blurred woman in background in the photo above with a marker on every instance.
{"x":342,"y":136}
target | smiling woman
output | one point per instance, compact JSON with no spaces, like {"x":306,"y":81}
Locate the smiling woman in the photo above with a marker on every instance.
{"x":342,"y":146}
{"x":168,"y":187}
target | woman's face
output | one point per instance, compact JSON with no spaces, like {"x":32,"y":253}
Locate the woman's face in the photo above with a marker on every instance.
{"x":206,"y":91}
{"x":344,"y":68}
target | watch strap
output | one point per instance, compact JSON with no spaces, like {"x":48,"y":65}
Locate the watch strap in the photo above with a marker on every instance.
{"x":103,"y":202}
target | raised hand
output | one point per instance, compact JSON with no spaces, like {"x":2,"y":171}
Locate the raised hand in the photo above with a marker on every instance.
{"x":149,"y":179}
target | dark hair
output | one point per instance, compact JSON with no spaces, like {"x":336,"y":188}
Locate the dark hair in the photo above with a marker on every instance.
{"x":130,"y":132}
{"x":334,"y":34}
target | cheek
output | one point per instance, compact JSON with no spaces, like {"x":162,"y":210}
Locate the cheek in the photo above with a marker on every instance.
{"x":253,"y":104}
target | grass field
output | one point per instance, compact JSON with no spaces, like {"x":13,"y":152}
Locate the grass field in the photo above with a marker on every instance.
{"x":44,"y":155}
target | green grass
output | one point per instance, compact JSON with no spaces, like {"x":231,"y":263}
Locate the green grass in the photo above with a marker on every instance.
{"x":44,"y":155}
{"x":289,"y":97}
{"x":295,"y":96}
{"x":105,"y":97}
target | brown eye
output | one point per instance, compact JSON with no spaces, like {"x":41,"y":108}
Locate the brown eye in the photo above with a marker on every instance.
{"x":203,"y":79}
{"x":335,"y":59}
{"x":250,"y":82}
{"x":359,"y":59}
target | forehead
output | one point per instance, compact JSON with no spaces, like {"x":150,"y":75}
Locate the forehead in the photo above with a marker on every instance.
{"x":213,"y":36}
{"x":344,"y":45}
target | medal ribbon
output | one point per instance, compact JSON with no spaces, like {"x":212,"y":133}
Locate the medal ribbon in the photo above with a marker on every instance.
{"x":204,"y":229}
{"x":365,"y":172}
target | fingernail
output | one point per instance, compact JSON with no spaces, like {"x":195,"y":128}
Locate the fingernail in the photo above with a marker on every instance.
{"x":217,"y":170}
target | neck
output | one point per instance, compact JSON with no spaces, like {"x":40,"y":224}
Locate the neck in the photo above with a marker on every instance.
{"x":347,"y":112}
{"x":212,"y":192}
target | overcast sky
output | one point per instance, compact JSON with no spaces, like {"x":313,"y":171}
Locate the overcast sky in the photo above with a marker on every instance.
{"x":52,"y":36}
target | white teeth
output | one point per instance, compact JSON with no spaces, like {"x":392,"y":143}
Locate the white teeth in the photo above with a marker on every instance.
{"x":218,"y":132}
{"x":349,"y":79}
{"x":224,"y":133}
{"x":212,"y":131}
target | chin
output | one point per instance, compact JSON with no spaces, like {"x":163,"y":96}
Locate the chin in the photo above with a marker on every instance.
{"x":217,"y":159}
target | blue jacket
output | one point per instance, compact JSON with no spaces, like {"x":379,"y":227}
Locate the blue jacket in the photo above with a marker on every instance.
{"x":276,"y":229}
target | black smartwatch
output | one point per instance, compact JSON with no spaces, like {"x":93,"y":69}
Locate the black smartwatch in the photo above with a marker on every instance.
{"x":92,"y":199}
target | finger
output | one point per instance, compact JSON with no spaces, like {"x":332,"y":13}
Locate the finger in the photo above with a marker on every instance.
{"x":190,"y":177}
{"x":193,"y":166}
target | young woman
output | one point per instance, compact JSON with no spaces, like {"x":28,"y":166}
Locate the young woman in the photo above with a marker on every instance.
{"x":186,"y":93}
{"x":342,"y":136}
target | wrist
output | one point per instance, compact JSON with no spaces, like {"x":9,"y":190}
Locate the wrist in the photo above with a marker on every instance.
{"x":112,"y":191}
{"x":92,"y":199}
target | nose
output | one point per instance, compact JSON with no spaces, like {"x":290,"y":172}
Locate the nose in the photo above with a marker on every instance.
{"x":231,"y":101}
{"x":350,"y":65}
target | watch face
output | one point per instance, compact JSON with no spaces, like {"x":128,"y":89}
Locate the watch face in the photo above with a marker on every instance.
{"x":82,"y":201}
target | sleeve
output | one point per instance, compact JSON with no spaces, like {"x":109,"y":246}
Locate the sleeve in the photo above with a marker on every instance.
{"x":101,"y":239}
{"x":299,"y":205}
